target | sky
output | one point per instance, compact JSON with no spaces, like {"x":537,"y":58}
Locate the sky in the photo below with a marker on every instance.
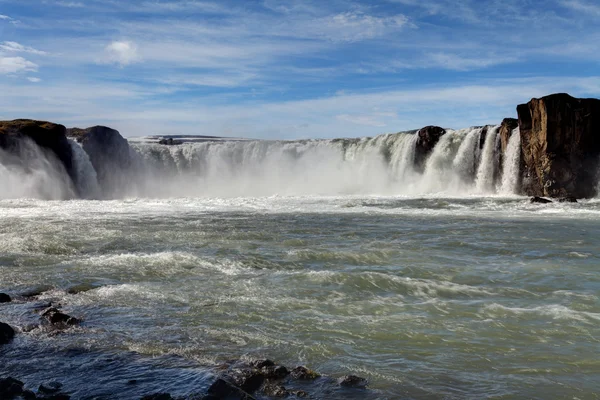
{"x":289,"y":69}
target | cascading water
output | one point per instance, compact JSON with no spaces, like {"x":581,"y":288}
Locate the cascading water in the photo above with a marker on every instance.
{"x":484,"y":182}
{"x":510,"y":168}
{"x":465,"y":162}
{"x":403,"y":157}
{"x":85,"y":177}
{"x":28,"y":171}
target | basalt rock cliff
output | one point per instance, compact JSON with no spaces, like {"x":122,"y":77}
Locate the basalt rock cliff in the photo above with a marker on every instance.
{"x":560,"y":146}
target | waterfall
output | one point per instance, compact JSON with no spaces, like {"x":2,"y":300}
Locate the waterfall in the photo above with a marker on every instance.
{"x":440,"y":175}
{"x":484,"y":182}
{"x":510,"y":168}
{"x":29,"y":171}
{"x":85,"y":178}
{"x":403,"y":156}
{"x":465,"y":162}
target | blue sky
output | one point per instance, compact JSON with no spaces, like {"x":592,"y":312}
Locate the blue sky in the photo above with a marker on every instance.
{"x":291,"y":69}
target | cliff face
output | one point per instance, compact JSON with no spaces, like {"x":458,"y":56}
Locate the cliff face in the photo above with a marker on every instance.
{"x":109,"y":153}
{"x":428,"y":138}
{"x":45,"y":134}
{"x":560,"y":143}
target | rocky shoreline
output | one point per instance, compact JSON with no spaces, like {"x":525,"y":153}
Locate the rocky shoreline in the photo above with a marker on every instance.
{"x":232,"y":379}
{"x":559,"y":150}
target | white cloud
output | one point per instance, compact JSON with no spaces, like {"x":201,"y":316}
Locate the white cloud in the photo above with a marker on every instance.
{"x":122,"y":53}
{"x":13,"y":65}
{"x":33,"y":79}
{"x":16,"y":47}
{"x":5,"y":17}
{"x":70,"y":4}
{"x":460,"y":63}
{"x":583,"y":7}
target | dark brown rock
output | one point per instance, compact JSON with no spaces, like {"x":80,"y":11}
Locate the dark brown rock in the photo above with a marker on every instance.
{"x":221,"y":389}
{"x":304,"y":373}
{"x":4,"y":298}
{"x":506,"y":129}
{"x":55,"y":317}
{"x":353,"y":381}
{"x":428,"y":138}
{"x":7,"y":333}
{"x":567,"y":200}
{"x":45,"y":134}
{"x":560,"y":146}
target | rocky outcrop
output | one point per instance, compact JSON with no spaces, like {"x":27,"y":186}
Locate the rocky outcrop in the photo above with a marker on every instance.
{"x":109,"y":153}
{"x":47,"y":135}
{"x":7,"y":333}
{"x":4,"y":298}
{"x":506,"y":129}
{"x":560,"y":144}
{"x":428,"y":138}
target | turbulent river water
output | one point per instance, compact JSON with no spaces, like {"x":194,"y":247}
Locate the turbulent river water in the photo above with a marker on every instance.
{"x":433,"y":282}
{"x":428,"y":298}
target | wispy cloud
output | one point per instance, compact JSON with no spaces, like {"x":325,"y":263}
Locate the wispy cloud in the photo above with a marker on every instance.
{"x":13,"y":65}
{"x":19,"y":48}
{"x":584,"y":7}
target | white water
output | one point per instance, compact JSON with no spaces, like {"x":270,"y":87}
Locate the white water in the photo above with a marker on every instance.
{"x":85,"y":178}
{"x":510,"y":168}
{"x":464,"y":163}
{"x":484,"y":182}
{"x":32,"y":172}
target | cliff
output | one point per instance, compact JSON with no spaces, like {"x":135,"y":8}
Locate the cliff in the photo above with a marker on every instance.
{"x":560,"y":146}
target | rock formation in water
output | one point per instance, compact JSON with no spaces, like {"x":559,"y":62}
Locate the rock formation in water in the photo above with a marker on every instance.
{"x":506,"y":129}
{"x":109,"y":153}
{"x":428,"y":138}
{"x":560,"y":142}
{"x":47,"y":135}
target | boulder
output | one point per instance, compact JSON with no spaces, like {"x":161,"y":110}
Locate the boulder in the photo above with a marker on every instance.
{"x":560,"y":146}
{"x":4,"y":298}
{"x":109,"y":153}
{"x":426,"y":141}
{"x":540,"y":200}
{"x":55,"y":317}
{"x":7,"y":333}
{"x":170,"y":142}
{"x":50,"y":387}
{"x":10,"y":388}
{"x":45,"y":134}
{"x":353,"y":381}
{"x":304,"y":373}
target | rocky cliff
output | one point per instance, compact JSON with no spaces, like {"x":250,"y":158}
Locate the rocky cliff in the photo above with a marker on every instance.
{"x":47,"y":135}
{"x":109,"y":153}
{"x":428,"y":138}
{"x":560,"y":143}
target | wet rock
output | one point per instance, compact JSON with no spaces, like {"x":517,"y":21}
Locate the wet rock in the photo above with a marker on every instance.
{"x":506,"y":129}
{"x":275,"y":372}
{"x":304,"y":373}
{"x":81,"y":288}
{"x":28,"y":395}
{"x":426,"y":141}
{"x":10,"y":388}
{"x":55,"y":317}
{"x":36,"y":291}
{"x":275,"y":391}
{"x":221,"y":389}
{"x":109,"y":153}
{"x":7,"y":333}
{"x":569,"y":199}
{"x":353,"y":381}
{"x":157,"y":396}
{"x":262,"y":363}
{"x":4,"y":298}
{"x":560,"y":146}
{"x":540,"y":200}
{"x":50,"y":387}
{"x":45,"y":134}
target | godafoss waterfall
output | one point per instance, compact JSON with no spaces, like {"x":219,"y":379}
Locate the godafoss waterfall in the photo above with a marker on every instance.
{"x":413,"y":265}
